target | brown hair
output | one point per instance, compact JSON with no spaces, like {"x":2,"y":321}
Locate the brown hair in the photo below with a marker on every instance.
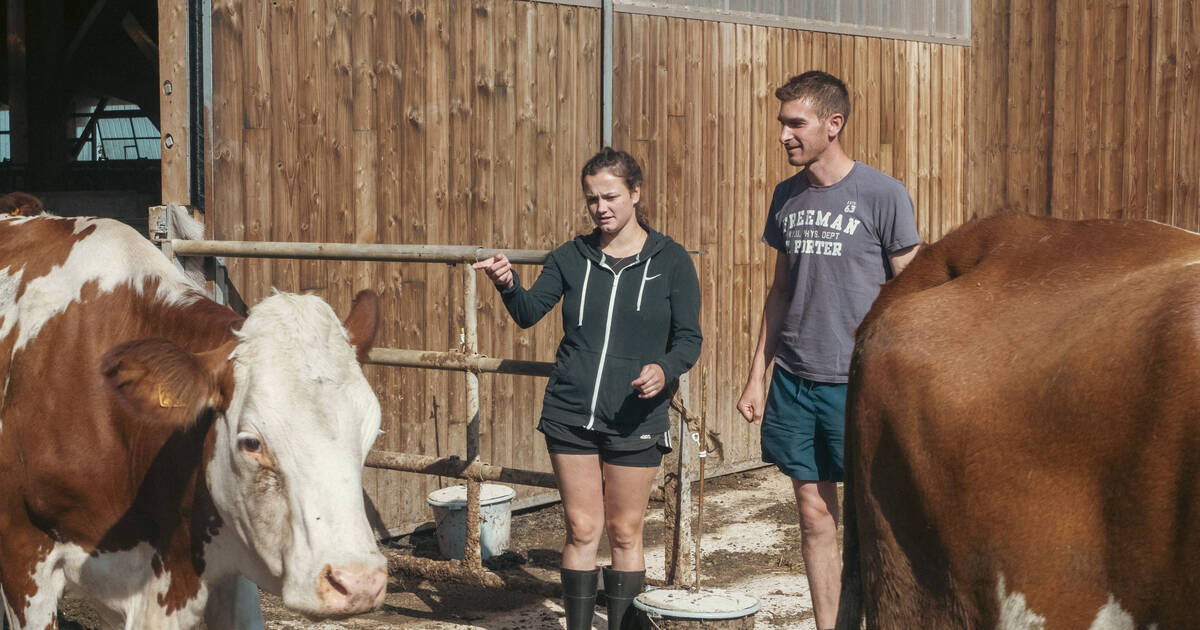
{"x":620,"y":164}
{"x":826,"y":92}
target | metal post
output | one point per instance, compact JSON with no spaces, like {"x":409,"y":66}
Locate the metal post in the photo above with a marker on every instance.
{"x":685,"y":561}
{"x":677,"y":493}
{"x":606,"y":74}
{"x":472,"y":551}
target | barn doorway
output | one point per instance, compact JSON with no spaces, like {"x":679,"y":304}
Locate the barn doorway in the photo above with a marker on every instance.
{"x":79,"y":108}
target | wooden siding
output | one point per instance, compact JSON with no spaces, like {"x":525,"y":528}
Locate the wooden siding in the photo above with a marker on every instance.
{"x":408,"y":122}
{"x":466,"y":122}
{"x":694,"y":102}
{"x":1086,"y":109}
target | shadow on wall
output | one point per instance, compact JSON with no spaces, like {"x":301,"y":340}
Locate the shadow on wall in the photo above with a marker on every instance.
{"x":129,"y":207}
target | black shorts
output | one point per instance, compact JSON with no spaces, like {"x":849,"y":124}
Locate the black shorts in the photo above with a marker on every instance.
{"x":638,"y":450}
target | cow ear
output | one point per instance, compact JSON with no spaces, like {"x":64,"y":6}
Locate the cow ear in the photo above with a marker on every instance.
{"x":158,"y":379}
{"x":362,"y":322}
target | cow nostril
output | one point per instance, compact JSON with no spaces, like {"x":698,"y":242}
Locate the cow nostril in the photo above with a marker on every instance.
{"x":335,"y":583}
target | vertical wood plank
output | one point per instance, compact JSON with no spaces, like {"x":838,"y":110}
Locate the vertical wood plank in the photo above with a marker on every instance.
{"x":255,"y":73}
{"x":437,"y":205}
{"x":924,"y":137}
{"x":887,"y":106}
{"x":503,"y":219}
{"x":1018,"y":151}
{"x":1042,"y":97}
{"x":258,"y":195}
{"x":1135,"y":165}
{"x":566,"y":124}
{"x":1187,"y":128}
{"x":937,"y":136}
{"x":1112,"y":110}
{"x":285,"y":151}
{"x":1087,"y":195}
{"x":482,"y":177}
{"x":870,"y":65}
{"x":1163,"y":110}
{"x":254,"y":79}
{"x":312,"y":59}
{"x":225,"y":214}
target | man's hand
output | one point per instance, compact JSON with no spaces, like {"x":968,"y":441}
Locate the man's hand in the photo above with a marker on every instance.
{"x":498,"y":270}
{"x":650,"y":382}
{"x":751,"y":403}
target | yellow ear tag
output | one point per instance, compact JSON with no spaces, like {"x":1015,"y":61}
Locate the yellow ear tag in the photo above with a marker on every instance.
{"x":165,"y":401}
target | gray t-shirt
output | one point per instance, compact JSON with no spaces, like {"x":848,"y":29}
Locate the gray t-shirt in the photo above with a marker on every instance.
{"x":837,"y":239}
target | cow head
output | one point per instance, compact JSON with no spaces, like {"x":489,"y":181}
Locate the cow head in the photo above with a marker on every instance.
{"x":294,"y":419}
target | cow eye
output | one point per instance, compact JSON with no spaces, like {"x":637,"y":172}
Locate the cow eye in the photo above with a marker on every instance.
{"x":250,"y":444}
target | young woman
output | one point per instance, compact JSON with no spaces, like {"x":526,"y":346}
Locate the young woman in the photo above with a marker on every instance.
{"x":631,"y":326}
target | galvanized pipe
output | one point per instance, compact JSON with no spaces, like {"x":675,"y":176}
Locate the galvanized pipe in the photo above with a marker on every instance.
{"x":472,"y":551}
{"x":458,"y":468}
{"x":449,"y":254}
{"x":456,"y":361}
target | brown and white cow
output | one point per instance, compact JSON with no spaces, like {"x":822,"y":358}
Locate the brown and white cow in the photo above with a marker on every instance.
{"x":1023,"y":432}
{"x":158,"y":452}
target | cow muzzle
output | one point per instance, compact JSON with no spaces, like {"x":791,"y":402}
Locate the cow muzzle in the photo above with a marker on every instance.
{"x":351,"y":590}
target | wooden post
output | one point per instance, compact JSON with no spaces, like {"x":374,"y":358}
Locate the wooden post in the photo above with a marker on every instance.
{"x":173,"y":99}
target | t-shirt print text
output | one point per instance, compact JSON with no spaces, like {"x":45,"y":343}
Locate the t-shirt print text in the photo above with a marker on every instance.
{"x":818,"y":232}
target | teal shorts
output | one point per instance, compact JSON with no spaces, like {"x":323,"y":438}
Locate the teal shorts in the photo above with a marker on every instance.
{"x":803,"y":427}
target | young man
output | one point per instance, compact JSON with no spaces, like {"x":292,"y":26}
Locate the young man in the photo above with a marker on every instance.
{"x":841,"y":229}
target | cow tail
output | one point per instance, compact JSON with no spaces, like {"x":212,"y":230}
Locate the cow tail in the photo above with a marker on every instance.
{"x":850,"y":603}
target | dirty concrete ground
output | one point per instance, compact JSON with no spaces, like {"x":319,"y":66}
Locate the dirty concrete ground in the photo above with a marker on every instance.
{"x":751,"y":545}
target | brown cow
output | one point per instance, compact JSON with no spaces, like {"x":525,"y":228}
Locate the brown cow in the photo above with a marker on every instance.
{"x":1023,"y":432}
{"x":158,"y":452}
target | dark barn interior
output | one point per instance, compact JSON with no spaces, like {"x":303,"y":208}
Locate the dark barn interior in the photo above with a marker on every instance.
{"x":79,"y":108}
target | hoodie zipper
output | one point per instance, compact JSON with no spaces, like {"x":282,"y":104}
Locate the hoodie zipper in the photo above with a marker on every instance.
{"x":612,"y":300}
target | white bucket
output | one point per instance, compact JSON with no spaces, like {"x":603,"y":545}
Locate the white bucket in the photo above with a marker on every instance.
{"x":704,"y":608}
{"x":450,"y":515}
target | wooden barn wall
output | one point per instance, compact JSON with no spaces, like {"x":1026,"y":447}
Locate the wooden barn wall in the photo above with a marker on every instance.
{"x":423,"y":121}
{"x":694,"y":102}
{"x":1086,"y":109}
{"x":408,"y":121}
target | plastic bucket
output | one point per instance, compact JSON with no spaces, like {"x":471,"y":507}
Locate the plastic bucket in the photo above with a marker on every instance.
{"x":706,"y":609}
{"x":450,"y":516}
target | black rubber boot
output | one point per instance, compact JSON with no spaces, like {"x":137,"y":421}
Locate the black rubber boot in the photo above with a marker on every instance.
{"x":579,"y":597}
{"x":620,"y":587}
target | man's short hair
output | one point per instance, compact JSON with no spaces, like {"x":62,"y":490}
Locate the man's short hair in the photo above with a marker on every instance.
{"x":826,"y":92}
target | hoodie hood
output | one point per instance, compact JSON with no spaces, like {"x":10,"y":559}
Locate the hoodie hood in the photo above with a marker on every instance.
{"x":589,"y":245}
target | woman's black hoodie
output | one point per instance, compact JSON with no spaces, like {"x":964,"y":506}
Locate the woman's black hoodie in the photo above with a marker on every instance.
{"x":613,"y":324}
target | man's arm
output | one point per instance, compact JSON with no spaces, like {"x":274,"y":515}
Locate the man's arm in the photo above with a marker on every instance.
{"x":753,"y":399}
{"x":899,"y":260}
